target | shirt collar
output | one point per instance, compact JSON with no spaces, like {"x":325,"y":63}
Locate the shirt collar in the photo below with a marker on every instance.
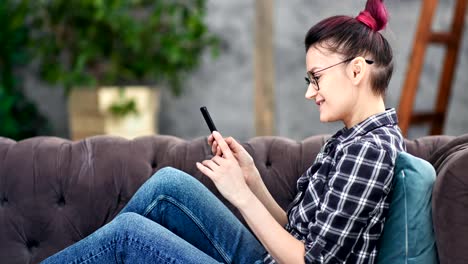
{"x":388,"y":117}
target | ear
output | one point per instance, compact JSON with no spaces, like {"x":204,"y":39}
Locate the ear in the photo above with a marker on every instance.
{"x":358,"y":69}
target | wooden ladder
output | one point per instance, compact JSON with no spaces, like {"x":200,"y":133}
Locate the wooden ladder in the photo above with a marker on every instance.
{"x":424,"y":37}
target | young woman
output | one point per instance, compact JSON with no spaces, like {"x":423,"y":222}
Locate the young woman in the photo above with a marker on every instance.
{"x":339,"y":212}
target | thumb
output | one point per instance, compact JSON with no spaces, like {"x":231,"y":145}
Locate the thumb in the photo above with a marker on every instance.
{"x":225,"y":149}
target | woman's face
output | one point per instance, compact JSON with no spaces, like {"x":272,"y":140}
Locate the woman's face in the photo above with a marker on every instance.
{"x":336,"y":95}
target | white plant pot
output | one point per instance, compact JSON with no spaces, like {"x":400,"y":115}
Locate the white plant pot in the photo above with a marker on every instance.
{"x":89,"y":113}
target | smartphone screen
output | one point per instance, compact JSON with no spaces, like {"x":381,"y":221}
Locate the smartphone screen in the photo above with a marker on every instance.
{"x":208,"y":119}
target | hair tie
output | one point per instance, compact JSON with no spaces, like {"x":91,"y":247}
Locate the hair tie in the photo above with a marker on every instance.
{"x":366,"y":18}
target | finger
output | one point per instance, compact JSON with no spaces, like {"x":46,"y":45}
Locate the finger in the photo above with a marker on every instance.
{"x":210,"y":164}
{"x":223,"y":145}
{"x":215,"y":149}
{"x":231,"y":143}
{"x":218,"y":151}
{"x":218,"y":160}
{"x":205,"y":170}
{"x":234,"y":141}
{"x":210,"y":139}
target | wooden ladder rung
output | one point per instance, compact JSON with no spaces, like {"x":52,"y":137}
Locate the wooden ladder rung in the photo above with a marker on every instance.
{"x":442,"y":38}
{"x":425,"y":117}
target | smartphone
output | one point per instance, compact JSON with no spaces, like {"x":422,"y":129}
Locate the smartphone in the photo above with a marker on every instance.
{"x":208,"y":119}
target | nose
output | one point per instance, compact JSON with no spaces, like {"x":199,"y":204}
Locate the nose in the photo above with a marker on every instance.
{"x":311,"y":93}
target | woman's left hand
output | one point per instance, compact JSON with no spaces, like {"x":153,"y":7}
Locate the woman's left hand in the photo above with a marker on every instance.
{"x":226,"y":174}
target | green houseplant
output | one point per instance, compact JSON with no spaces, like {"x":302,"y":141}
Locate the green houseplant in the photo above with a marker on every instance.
{"x":92,"y":43}
{"x":19,"y":117}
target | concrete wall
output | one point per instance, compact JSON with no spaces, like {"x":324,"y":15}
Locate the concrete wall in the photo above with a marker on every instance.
{"x":225,"y":84}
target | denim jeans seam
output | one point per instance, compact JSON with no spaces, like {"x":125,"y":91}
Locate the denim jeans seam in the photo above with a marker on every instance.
{"x":149,"y":248}
{"x":101,"y":250}
{"x":187,"y":211}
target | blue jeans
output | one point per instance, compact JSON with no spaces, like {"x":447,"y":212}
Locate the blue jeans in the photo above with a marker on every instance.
{"x":172,"y":218}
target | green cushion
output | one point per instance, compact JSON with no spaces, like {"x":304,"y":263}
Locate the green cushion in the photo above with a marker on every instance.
{"x":408,"y":235}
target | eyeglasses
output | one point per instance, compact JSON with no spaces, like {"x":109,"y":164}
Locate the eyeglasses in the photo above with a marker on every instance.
{"x":313,"y":79}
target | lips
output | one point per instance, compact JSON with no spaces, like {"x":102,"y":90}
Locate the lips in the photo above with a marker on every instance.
{"x":319,"y":102}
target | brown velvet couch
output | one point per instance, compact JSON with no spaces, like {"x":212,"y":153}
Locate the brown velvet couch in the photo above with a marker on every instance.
{"x":54,"y":192}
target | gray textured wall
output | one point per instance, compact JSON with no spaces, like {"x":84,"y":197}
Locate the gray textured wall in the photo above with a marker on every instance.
{"x":225,"y":84}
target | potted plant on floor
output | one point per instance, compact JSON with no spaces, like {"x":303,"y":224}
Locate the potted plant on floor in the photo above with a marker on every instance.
{"x":89,"y":45}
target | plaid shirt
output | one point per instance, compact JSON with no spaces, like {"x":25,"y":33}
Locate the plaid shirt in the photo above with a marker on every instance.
{"x":339,"y":211}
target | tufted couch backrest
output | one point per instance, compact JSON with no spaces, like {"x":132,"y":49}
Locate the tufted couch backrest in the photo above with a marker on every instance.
{"x":54,"y":192}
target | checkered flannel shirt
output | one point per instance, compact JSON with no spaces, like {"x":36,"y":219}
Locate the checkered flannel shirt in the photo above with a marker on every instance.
{"x":343,"y":198}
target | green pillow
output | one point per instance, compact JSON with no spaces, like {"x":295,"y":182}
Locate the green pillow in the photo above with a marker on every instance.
{"x":408,"y":235}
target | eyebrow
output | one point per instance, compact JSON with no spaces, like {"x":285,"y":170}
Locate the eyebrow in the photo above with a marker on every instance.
{"x":314,"y":69}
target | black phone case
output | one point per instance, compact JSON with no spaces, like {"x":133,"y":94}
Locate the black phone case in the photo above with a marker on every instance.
{"x":208,"y":119}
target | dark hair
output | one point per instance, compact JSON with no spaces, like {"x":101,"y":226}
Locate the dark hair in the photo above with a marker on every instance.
{"x":358,"y":36}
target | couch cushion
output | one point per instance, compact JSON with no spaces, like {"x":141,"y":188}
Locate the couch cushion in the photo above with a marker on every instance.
{"x":449,"y":205}
{"x":408,"y":235}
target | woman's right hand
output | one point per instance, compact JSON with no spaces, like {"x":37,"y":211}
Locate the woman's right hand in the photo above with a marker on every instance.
{"x":251,"y":175}
{"x":244,"y":159}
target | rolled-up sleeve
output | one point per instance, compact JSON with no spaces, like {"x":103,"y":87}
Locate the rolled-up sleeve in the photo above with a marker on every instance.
{"x":353,"y":201}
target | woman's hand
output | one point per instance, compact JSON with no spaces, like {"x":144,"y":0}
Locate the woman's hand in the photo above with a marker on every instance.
{"x":249,"y":171}
{"x":226,"y":173}
{"x":244,"y":159}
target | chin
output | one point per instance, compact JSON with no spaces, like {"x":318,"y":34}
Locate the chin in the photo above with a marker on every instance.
{"x":327,"y":119}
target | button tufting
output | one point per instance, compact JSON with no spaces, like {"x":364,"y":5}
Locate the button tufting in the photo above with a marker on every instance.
{"x":61,"y":201}
{"x":154,"y":164}
{"x":3,"y":201}
{"x":32,"y":244}
{"x":268,"y":163}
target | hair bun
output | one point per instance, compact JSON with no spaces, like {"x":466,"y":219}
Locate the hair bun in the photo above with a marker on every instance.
{"x":375,"y":15}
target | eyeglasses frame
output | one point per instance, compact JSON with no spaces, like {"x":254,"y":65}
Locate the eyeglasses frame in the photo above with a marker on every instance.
{"x":311,"y":78}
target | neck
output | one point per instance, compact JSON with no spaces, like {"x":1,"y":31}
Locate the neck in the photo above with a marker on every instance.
{"x":365,"y":108}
